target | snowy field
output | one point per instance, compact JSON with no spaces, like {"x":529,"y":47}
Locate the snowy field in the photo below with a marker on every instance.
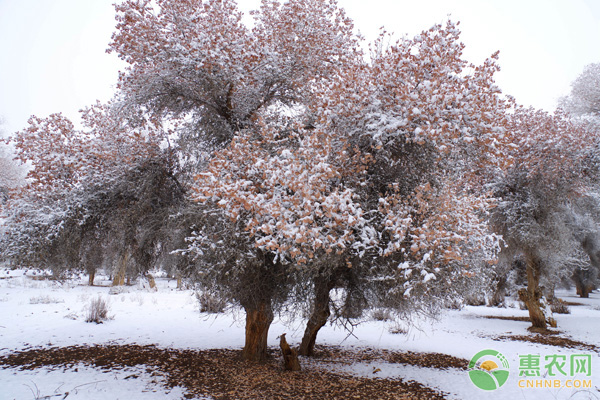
{"x":42,"y":313}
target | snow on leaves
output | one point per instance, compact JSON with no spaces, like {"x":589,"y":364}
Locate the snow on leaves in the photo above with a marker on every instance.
{"x":298,"y":196}
{"x":64,"y":158}
{"x":283,"y":189}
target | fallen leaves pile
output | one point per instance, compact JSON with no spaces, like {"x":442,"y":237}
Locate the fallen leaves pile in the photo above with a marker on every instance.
{"x":222,"y":374}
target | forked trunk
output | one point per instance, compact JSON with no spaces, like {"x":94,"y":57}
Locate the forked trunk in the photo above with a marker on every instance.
{"x":258,"y":321}
{"x":319,"y":316}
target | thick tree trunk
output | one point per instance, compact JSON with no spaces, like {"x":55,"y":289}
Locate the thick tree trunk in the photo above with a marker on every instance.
{"x":258,"y":321}
{"x":119,"y":279}
{"x":583,"y":290}
{"x":318,"y":318}
{"x":581,"y":284}
{"x":532,"y":296}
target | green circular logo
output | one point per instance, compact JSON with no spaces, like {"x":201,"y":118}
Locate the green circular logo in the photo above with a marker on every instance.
{"x":488,"y":369}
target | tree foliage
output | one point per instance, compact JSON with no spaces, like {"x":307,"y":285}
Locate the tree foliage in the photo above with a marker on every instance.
{"x":276,"y":162}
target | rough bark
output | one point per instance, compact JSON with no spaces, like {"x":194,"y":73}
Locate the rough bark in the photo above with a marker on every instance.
{"x":532,"y":296}
{"x":290,"y":356}
{"x":119,"y":279}
{"x":319,"y":316}
{"x":258,"y":321}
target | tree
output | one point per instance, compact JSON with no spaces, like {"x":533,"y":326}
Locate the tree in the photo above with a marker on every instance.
{"x":10,"y":173}
{"x":196,"y":62}
{"x":425,"y":123}
{"x":56,"y":219}
{"x":552,"y":167}
{"x":584,"y":99}
{"x":323,"y":200}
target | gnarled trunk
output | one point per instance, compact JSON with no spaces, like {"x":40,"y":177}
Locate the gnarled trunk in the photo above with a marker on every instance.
{"x":258,"y":321}
{"x":532,"y":296}
{"x":320,"y":315}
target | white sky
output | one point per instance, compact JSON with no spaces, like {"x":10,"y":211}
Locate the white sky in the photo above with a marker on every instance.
{"x":52,"y":52}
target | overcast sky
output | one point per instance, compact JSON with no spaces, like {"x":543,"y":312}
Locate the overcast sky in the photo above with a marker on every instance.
{"x":53,"y":59}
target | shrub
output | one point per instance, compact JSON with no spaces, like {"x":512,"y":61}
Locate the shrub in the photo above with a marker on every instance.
{"x":210,"y":302}
{"x":44,"y":300}
{"x":97,"y":311}
{"x":381,"y":314}
{"x":560,"y":307}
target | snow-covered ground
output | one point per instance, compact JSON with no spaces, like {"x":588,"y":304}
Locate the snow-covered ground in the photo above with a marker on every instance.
{"x":43,"y":313}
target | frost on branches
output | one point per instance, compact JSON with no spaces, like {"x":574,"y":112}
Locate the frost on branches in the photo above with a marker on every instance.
{"x":553,"y":170}
{"x":299,"y":165}
{"x":69,"y":171}
{"x":196,"y":61}
{"x":584,"y":99}
{"x":383,"y":191}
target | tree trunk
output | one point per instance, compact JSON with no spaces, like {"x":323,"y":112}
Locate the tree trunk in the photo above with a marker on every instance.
{"x":119,"y":279}
{"x":91,"y":277}
{"x":532,"y":296}
{"x":290,"y":356}
{"x":319,"y":316}
{"x":583,"y":290}
{"x":258,"y":321}
{"x":151,"y":281}
{"x":582,"y":286}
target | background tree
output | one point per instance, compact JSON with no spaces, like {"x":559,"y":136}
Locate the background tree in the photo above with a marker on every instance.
{"x":553,"y":166}
{"x":71,"y":171}
{"x":583,"y":103}
{"x":584,"y":99}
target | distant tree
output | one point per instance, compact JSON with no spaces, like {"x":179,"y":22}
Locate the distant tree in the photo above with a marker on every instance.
{"x":78,"y":180}
{"x":552,"y":167}
{"x":11,"y":174}
{"x":584,"y":99}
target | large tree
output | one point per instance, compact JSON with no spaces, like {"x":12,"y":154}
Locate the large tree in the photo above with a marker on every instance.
{"x":196,"y":64}
{"x":381,"y":194}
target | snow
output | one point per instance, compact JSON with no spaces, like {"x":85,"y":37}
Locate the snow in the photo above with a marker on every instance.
{"x":85,"y":384}
{"x":44,"y":313}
